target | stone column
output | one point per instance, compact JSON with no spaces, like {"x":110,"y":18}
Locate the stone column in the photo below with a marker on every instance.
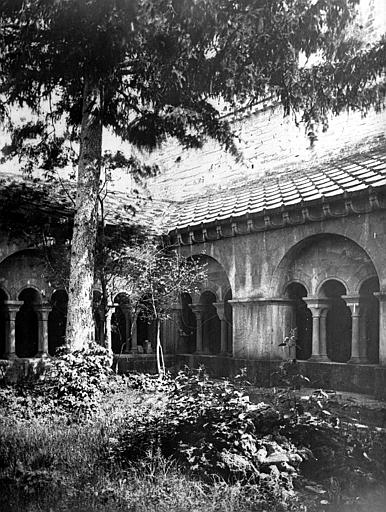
{"x":198,"y":310}
{"x":125,"y":308}
{"x":134,"y":337}
{"x":43,"y":310}
{"x":381,"y":296}
{"x":109,"y":314}
{"x":323,"y":333}
{"x":319,"y":310}
{"x":172,"y":328}
{"x":356,"y":350}
{"x":12,"y":307}
{"x":220,"y":307}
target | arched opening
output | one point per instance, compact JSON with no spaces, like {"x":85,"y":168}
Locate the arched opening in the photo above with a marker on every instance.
{"x":338,"y":323}
{"x":57,"y":321}
{"x":27,"y":324}
{"x":187,"y":338}
{"x":211,"y":327}
{"x":229,"y":321}
{"x":119,"y":325}
{"x":3,"y":322}
{"x":369,"y":319}
{"x":146,"y":331}
{"x":319,"y":258}
{"x":303,"y":320}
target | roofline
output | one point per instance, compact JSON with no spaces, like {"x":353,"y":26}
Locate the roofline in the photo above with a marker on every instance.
{"x":349,"y":203}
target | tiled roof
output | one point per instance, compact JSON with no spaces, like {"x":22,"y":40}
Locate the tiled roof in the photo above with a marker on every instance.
{"x":350,"y":174}
{"x":58,"y":201}
{"x":269,"y":144}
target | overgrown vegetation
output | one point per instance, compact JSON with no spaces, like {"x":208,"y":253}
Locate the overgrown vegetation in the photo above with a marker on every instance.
{"x":75,"y":436}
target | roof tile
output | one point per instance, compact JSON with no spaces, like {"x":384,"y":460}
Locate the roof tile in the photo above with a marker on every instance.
{"x":350,"y":174}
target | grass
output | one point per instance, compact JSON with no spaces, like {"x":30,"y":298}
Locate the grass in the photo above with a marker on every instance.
{"x":51,"y":464}
{"x":47,"y":465}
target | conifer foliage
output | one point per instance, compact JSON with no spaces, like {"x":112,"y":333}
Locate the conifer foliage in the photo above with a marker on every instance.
{"x":150,"y":69}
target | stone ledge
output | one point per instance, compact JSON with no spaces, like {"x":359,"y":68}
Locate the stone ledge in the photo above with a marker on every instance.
{"x":365,"y":379}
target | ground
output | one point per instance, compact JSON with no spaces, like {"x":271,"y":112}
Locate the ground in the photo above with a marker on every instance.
{"x":51,"y":461}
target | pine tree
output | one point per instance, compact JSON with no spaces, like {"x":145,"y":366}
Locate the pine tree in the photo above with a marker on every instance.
{"x":150,"y":69}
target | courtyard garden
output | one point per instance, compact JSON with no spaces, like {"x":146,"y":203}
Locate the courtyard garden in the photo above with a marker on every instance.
{"x":74,"y":436}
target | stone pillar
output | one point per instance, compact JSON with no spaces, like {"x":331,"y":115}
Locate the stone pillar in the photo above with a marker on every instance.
{"x":198,"y":310}
{"x":220,"y":307}
{"x":134,"y":337}
{"x":171,"y":331}
{"x":109,"y":314}
{"x":12,"y":307}
{"x":319,"y":310}
{"x":323,"y":333}
{"x":125,"y":308}
{"x":381,"y":296}
{"x":259,"y":327}
{"x":356,"y":342}
{"x":43,"y":310}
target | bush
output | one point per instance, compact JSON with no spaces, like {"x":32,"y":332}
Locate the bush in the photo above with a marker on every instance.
{"x":71,"y":384}
{"x":213,"y":431}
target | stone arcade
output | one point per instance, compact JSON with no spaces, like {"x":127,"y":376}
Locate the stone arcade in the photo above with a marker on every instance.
{"x":287,"y":245}
{"x":306,"y":251}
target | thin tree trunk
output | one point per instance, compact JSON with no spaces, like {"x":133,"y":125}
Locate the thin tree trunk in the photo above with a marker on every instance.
{"x":80,"y":325}
{"x":159,"y":352}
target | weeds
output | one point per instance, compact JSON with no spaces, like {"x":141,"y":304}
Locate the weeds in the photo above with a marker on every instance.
{"x":188,"y":443}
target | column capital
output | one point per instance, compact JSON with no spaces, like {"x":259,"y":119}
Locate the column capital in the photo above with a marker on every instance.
{"x":220,"y":308}
{"x":197,"y":308}
{"x":317,"y":305}
{"x":13,"y":305}
{"x":381,"y":296}
{"x":43,"y":310}
{"x":352,"y":302}
{"x":43,"y":306}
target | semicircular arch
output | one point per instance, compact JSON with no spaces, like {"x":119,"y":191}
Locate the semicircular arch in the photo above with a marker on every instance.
{"x":217,"y":280}
{"x":321,"y":257}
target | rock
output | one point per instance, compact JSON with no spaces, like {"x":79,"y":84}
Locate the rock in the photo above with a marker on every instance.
{"x":276,"y":458}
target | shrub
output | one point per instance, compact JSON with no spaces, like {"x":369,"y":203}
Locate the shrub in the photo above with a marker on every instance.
{"x":71,"y":384}
{"x":212,"y":430}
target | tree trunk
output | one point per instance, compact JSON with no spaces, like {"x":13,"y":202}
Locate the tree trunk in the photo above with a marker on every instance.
{"x":80,"y":324}
{"x":159,"y":351}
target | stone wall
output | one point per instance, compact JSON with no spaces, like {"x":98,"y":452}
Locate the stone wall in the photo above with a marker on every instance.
{"x":269,"y":144}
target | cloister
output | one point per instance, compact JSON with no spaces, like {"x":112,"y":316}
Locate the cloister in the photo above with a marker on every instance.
{"x":317,"y":266}
{"x":291,"y":250}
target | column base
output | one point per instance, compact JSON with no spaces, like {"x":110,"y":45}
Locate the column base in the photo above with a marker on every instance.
{"x":43,"y":355}
{"x":358,"y":360}
{"x":11,"y":357}
{"x":318,"y":358}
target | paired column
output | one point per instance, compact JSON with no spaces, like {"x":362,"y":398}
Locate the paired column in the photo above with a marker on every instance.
{"x":358,"y":346}
{"x":12,"y":308}
{"x":43,"y":310}
{"x":319,"y":310}
{"x":198,"y":310}
{"x":220,"y":307}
